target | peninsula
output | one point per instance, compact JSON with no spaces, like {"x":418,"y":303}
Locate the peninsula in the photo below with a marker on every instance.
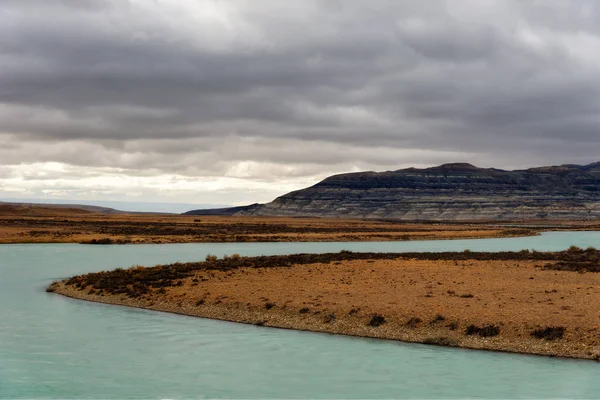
{"x":524,"y":302}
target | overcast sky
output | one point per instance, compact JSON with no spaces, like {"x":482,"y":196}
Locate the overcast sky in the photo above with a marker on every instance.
{"x":235,"y":102}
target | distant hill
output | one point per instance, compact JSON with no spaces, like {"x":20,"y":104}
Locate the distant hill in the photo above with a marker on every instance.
{"x":125,"y":206}
{"x":39,"y":210}
{"x":224,"y":211}
{"x":458,"y":191}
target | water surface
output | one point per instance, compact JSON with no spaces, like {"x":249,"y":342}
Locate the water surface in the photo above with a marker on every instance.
{"x":55,"y":347}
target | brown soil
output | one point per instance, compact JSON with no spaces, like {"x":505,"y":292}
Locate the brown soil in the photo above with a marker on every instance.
{"x":515,"y":302}
{"x":66,"y":226}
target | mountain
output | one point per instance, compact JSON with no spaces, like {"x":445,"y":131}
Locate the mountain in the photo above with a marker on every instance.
{"x":458,"y":191}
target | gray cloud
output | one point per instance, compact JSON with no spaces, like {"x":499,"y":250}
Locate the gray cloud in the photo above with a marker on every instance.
{"x":298,"y":88}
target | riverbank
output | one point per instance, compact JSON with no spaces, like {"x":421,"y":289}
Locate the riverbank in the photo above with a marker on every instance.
{"x":90,"y":228}
{"x":525,"y":302}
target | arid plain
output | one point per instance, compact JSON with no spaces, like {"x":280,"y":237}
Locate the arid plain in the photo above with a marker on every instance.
{"x":40,"y":224}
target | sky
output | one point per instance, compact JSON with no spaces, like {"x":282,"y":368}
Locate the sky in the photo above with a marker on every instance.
{"x":236,"y":102}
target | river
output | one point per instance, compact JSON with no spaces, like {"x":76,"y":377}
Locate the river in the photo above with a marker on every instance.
{"x":55,"y":347}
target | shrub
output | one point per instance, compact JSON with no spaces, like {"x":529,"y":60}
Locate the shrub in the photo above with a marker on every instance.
{"x":268,"y":306}
{"x":376,"y":320}
{"x":485,"y":331}
{"x":304,"y":310}
{"x":452,"y":326}
{"x":441,"y":341}
{"x":329,"y":318}
{"x":211,"y":258}
{"x":438,"y":318}
{"x":413,"y":322}
{"x":98,"y":241}
{"x":52,"y":287}
{"x":549,"y":333}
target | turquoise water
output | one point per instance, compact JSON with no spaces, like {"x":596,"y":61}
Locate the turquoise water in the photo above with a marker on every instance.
{"x":54,"y":347}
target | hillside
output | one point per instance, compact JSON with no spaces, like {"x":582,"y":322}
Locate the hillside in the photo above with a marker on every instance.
{"x":39,"y":209}
{"x":452,"y":192}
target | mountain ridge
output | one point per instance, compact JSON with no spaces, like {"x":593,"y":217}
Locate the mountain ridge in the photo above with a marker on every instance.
{"x":454,"y":191}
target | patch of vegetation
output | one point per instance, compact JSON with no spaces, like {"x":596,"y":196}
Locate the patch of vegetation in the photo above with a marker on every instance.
{"x":484,"y":331}
{"x":107,"y":241}
{"x":52,"y":287}
{"x":550,"y":333}
{"x":441,"y":341}
{"x":304,"y":310}
{"x":376,"y":320}
{"x":452,"y":326}
{"x":438,"y":318}
{"x":577,"y":259}
{"x":98,"y":241}
{"x":139,"y":281}
{"x":268,"y":306}
{"x":329,"y":318}
{"x":413,"y":322}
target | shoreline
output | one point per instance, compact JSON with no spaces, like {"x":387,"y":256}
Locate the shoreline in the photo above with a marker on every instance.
{"x":157,"y":229}
{"x":487,"y":302}
{"x":356,"y":238}
{"x":282,"y":321}
{"x":103,"y":242}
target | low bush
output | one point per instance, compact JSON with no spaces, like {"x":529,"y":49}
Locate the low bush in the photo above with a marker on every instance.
{"x":438,"y":318}
{"x":441,"y":341}
{"x":99,"y":241}
{"x":549,"y":333}
{"x":329,"y":318}
{"x":376,"y":320}
{"x":413,"y":322}
{"x":484,"y":331}
{"x":452,"y":326}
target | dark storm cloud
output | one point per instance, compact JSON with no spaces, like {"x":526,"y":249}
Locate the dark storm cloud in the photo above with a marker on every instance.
{"x":196,"y":87}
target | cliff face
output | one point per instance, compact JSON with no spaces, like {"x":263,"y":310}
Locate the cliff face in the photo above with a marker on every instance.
{"x":448,"y":192}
